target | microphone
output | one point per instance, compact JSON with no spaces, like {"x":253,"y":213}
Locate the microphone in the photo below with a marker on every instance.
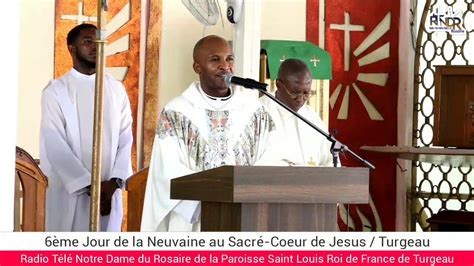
{"x":247,"y":83}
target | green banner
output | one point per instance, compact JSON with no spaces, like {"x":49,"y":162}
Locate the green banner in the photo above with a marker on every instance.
{"x":318,"y":60}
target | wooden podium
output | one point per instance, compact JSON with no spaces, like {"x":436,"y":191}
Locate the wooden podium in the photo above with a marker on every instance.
{"x":272,"y":198}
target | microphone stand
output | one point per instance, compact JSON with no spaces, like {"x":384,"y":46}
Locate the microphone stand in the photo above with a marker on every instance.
{"x":336,"y":146}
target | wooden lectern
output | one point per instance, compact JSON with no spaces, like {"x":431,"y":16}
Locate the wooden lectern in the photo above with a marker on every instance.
{"x":272,"y":198}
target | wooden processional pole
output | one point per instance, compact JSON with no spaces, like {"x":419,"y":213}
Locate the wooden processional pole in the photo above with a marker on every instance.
{"x":96,"y":178}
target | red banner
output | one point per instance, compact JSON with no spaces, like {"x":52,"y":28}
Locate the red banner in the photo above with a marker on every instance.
{"x":362,"y":38}
{"x":337,"y":257}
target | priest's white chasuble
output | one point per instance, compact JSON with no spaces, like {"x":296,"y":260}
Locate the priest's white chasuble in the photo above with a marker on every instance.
{"x":197,"y":133}
{"x":298,"y":144}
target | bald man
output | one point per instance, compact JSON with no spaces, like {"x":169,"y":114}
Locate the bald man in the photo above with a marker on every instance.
{"x":302,"y":144}
{"x":207,"y":126}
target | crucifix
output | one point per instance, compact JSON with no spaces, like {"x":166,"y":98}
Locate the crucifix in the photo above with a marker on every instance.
{"x":347,"y":27}
{"x":79,"y":18}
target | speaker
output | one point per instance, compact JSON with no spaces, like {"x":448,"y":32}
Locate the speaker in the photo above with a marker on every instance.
{"x":234,"y":10}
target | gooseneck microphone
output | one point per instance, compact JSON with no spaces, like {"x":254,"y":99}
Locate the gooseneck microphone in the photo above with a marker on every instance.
{"x":247,"y":83}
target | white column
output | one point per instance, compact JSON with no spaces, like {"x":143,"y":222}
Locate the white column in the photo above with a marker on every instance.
{"x":405,"y":113}
{"x":322,"y":23}
{"x":10,"y":18}
{"x":246,"y":40}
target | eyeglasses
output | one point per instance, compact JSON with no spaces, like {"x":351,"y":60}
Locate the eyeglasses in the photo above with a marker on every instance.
{"x":296,"y":95}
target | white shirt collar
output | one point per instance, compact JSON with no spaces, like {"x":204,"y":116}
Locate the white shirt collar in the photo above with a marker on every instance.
{"x":78,"y":74}
{"x":215,"y":102}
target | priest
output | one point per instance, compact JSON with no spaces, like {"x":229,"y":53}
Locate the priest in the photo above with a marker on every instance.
{"x":209,"y":125}
{"x":302,"y":144}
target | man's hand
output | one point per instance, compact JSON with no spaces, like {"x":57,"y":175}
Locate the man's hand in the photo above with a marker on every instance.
{"x":107,"y":189}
